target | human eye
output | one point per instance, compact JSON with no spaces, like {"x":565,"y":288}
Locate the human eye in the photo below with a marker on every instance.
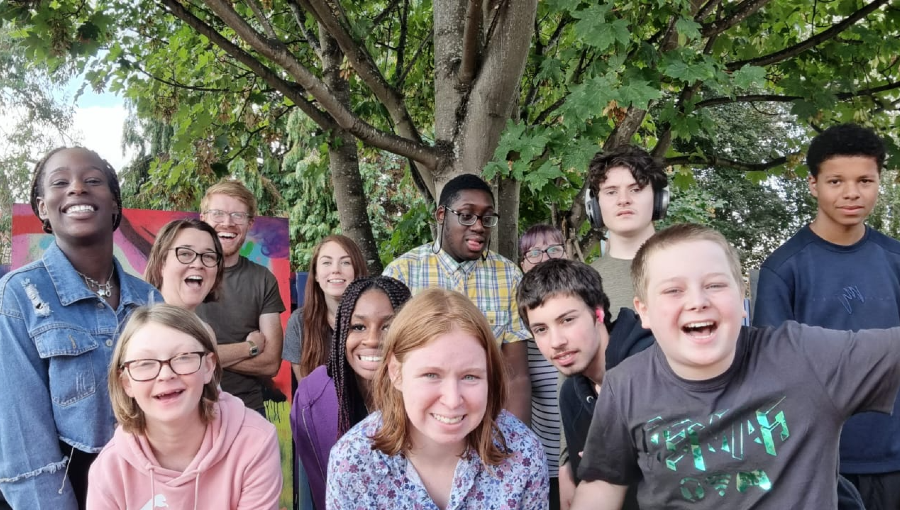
{"x":239,"y":215}
{"x":467,"y":217}
{"x":346,"y":263}
{"x":535,"y":253}
{"x":143,"y":364}
{"x":429,"y":375}
{"x":357,"y":327}
{"x":470,"y":377}
{"x":210,"y":258}
{"x":58,"y":182}
{"x":717,"y":285}
{"x":538,"y":330}
{"x":609,"y":192}
{"x":671,"y":291}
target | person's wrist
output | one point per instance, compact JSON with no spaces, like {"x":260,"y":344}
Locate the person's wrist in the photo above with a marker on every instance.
{"x":253,"y":348}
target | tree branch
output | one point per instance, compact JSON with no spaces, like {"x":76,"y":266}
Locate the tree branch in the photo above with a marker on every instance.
{"x":471,"y":35}
{"x":793,"y":51}
{"x":775,"y":98}
{"x":716,"y":161}
{"x":384,"y":14}
{"x":300,"y":18}
{"x":257,"y":11}
{"x":741,"y":12}
{"x":289,"y":90}
{"x":412,"y":61}
{"x":345,"y":118}
{"x":175,"y":84}
{"x":707,"y":8}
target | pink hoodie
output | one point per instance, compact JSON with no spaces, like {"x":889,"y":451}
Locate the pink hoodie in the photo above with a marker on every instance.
{"x":238,"y":467}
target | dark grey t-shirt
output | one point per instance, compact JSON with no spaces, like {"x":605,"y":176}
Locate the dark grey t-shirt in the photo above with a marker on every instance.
{"x":762,"y":435}
{"x":248,"y":291}
{"x":293,"y":337}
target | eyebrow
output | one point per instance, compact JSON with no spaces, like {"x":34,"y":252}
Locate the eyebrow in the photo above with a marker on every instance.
{"x":361,"y":316}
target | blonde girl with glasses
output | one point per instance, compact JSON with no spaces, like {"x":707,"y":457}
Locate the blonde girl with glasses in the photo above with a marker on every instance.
{"x":181,"y":443}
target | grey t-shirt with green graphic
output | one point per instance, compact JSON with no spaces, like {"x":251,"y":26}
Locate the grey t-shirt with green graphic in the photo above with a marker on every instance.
{"x":764,"y":434}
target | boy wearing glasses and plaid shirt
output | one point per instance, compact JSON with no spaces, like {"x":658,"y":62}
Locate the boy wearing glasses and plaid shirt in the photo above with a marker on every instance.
{"x":459,"y":259}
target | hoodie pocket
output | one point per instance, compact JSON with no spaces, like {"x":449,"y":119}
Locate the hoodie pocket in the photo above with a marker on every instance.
{"x":69,"y":353}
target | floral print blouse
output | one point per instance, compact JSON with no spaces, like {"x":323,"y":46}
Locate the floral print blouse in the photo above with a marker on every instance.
{"x":360,"y":478}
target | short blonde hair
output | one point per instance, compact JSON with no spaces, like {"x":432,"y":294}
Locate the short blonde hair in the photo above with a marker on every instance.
{"x":165,"y":238}
{"x":677,"y":234}
{"x":425,"y":317}
{"x":129,"y":415}
{"x":232,"y":188}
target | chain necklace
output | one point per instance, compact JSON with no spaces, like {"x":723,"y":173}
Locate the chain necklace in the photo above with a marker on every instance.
{"x":104,"y":290}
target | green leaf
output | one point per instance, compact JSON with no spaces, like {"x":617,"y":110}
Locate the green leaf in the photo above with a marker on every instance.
{"x":688,"y":28}
{"x":749,"y":76}
{"x":638,"y":94}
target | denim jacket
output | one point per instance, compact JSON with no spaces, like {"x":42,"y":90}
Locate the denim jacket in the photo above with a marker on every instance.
{"x":56,"y":343}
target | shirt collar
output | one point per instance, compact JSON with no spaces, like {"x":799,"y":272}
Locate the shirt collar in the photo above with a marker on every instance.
{"x":70,"y":286}
{"x":450,"y":264}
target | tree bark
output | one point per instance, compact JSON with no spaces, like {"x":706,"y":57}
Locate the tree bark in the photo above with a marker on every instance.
{"x":343,"y":161}
{"x":508,"y":228}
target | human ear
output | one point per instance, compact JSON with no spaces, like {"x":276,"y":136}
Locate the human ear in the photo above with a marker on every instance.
{"x":126,"y":383}
{"x":394,"y":372}
{"x":209,"y":361}
{"x":439,"y":214}
{"x":811,"y":182}
{"x":641,"y":309}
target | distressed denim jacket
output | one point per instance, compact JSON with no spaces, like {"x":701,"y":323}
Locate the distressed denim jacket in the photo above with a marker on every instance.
{"x":56,"y":343}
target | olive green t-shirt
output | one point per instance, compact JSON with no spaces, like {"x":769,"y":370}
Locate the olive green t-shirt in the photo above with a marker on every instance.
{"x":616,"y":275}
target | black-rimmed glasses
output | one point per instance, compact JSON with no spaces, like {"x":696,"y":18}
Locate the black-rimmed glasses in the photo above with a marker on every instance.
{"x":469,"y":219}
{"x":185,"y":363}
{"x":554,"y":251}
{"x":186,"y":255}
{"x":238,"y":218}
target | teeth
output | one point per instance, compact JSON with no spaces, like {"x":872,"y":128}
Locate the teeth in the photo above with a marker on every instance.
{"x":337,"y":281}
{"x":698,"y":325}
{"x":227,"y":235}
{"x":161,"y":395}
{"x":447,"y":419}
{"x":373,"y":359}
{"x":80,"y":208}
{"x":195,"y":278}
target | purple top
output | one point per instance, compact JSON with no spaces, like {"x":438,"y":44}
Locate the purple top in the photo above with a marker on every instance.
{"x":314,"y":423}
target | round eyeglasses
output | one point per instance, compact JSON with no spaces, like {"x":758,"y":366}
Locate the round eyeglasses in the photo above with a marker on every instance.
{"x":469,"y":219}
{"x":185,"y":363}
{"x":238,"y":218}
{"x":554,"y":251}
{"x":186,"y":255}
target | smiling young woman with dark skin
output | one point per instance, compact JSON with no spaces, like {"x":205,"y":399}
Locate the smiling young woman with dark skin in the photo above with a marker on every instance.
{"x":59,"y":318}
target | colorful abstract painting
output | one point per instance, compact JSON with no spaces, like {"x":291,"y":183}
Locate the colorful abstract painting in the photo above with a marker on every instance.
{"x":267,"y":244}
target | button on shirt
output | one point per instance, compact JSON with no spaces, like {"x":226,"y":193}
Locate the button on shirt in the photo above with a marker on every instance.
{"x":57,"y":338}
{"x":490,"y":283}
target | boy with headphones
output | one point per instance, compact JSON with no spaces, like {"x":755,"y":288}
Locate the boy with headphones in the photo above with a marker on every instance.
{"x":626,"y":194}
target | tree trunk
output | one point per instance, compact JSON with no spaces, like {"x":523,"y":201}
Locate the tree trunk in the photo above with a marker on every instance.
{"x":507,"y":230}
{"x":343,"y":161}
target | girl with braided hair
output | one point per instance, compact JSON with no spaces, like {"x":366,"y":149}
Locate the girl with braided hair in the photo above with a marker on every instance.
{"x":59,"y":318}
{"x":336,"y":396}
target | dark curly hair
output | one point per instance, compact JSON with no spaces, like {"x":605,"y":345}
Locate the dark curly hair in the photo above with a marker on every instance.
{"x":845,"y":140}
{"x":37,"y":185}
{"x":348,"y":394}
{"x":461,"y":183}
{"x":644,"y":168}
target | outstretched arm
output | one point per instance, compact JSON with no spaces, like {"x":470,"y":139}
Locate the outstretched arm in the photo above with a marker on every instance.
{"x":599,"y":495}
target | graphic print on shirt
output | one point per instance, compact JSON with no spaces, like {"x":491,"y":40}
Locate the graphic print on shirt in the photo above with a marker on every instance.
{"x":694,"y":448}
{"x":848,"y":295}
{"x":158,"y":501}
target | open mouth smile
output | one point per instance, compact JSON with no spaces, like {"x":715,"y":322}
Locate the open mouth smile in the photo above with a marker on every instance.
{"x":448,"y":420}
{"x":700,"y":330}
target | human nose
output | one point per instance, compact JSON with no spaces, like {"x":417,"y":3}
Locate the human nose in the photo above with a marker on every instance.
{"x":165,"y":370}
{"x":77,"y":187}
{"x":851,"y":190}
{"x":697,"y":299}
{"x":623,"y":198}
{"x":450,"y":394}
{"x":478,"y":226}
{"x":557,"y":340}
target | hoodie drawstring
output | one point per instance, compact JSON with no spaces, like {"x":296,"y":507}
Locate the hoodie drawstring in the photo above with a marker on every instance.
{"x":152,"y":486}
{"x":66,"y":474}
{"x":196,"y":489}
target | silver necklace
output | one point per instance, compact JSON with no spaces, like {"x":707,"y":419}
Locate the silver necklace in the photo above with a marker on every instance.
{"x":104,"y":290}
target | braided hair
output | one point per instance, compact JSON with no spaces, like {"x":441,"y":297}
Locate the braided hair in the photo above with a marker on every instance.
{"x":345,"y":385}
{"x":37,"y":186}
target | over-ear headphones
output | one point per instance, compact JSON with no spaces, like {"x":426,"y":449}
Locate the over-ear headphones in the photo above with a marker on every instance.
{"x":592,"y":207}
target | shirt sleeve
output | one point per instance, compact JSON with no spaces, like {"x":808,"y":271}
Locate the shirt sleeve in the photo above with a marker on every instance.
{"x":773,"y":300}
{"x":32,"y":466}
{"x":293,"y":337}
{"x":538,"y":486}
{"x":515,"y":330}
{"x":272,"y":302}
{"x":395,"y":271}
{"x":262,"y":477}
{"x":609,"y":452}
{"x":860,"y":371}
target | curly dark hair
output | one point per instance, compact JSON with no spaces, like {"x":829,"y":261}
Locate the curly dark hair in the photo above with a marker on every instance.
{"x":644,"y":168}
{"x":37,"y":185}
{"x":845,"y":140}
{"x":348,"y":394}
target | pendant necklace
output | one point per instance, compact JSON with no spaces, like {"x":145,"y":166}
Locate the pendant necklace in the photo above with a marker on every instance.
{"x":104,"y":290}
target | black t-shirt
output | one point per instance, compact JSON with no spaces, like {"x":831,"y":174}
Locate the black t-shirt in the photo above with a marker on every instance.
{"x":764,"y":434}
{"x":249,"y":290}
